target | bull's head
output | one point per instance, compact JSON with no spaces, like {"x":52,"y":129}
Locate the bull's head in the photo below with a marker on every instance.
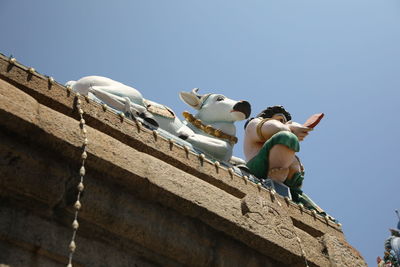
{"x":216,"y":107}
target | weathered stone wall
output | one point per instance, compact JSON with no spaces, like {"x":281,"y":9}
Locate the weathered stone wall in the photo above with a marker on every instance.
{"x":147,"y":201}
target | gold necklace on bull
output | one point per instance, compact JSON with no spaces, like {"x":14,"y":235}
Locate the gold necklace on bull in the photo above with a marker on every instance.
{"x":209,"y":129}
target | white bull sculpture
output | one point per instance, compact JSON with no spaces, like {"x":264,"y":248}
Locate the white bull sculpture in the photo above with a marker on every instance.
{"x":211,"y":129}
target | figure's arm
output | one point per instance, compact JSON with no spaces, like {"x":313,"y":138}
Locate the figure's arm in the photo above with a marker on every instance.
{"x":299,"y":130}
{"x":259,"y":130}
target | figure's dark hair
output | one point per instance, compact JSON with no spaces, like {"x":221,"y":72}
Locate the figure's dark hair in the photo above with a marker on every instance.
{"x":271,"y":111}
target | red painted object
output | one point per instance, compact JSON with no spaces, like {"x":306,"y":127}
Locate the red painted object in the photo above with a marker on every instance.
{"x":313,"y":120}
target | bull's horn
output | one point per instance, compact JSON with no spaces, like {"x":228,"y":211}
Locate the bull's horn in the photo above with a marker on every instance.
{"x":194,"y":91}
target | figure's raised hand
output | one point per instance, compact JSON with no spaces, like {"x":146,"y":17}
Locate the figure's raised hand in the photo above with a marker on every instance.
{"x":299,"y":130}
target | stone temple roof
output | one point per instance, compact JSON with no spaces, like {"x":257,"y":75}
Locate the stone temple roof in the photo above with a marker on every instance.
{"x":147,"y":201}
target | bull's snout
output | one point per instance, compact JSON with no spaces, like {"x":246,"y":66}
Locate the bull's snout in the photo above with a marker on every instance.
{"x":244,"y":107}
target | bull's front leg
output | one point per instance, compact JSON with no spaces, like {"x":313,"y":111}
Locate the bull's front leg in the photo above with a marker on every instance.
{"x":219,"y":149}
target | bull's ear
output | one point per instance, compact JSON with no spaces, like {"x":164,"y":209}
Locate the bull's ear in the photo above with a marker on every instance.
{"x":190,"y":99}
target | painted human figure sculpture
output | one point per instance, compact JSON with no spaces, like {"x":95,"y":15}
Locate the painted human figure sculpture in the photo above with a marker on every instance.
{"x":392,"y":248}
{"x":211,"y":129}
{"x":270,"y":146}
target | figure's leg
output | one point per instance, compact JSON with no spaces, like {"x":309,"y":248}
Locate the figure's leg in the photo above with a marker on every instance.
{"x":295,"y":167}
{"x":280,"y":159}
{"x":275,"y":157}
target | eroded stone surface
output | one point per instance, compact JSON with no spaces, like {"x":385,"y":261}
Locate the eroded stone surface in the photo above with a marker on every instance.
{"x":341,"y":253}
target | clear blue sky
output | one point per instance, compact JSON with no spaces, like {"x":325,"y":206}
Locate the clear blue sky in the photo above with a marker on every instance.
{"x":340,"y":57}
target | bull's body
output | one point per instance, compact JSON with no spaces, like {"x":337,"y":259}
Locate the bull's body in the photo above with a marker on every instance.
{"x":212,"y":109}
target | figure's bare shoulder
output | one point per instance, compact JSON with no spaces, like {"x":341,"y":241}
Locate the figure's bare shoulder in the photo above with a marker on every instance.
{"x":251,"y":130}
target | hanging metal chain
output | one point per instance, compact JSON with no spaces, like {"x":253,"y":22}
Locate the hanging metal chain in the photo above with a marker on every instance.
{"x":82,"y":172}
